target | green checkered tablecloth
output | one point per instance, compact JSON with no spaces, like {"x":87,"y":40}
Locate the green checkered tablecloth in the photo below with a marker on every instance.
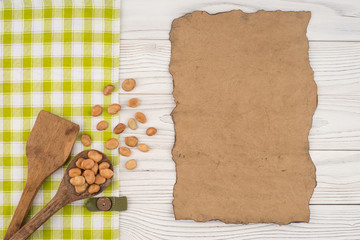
{"x":57,"y":56}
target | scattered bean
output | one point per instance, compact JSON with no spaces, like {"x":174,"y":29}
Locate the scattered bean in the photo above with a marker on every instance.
{"x":95,"y":168}
{"x":119,"y":128}
{"x":85,"y":140}
{"x":124,"y":151}
{"x":81,"y":188}
{"x":95,"y":155}
{"x":99,"y":179}
{"x":140,"y":117}
{"x":108,"y":89}
{"x":96,"y":111}
{"x":131,"y":141}
{"x":128,"y":84}
{"x":104,"y":165}
{"x":94,"y":188}
{"x":78,"y":162}
{"x":131,"y":164}
{"x":106,"y":173}
{"x":114,"y":108}
{"x":89,"y":176}
{"x":102,"y":125}
{"x":132,"y":124}
{"x":112,"y":143}
{"x":87,"y":164}
{"x":151,"y":131}
{"x":74,"y":172}
{"x":143,"y":147}
{"x":77,"y":181}
{"x":133,"y":102}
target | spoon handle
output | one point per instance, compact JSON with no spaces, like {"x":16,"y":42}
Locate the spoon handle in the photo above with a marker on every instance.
{"x":50,"y":209}
{"x":22,"y":209}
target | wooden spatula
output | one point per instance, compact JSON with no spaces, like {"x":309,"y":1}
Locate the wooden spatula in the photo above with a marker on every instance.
{"x":49,"y":145}
{"x":64,"y":195}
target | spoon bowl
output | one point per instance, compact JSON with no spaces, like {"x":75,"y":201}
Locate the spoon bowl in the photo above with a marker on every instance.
{"x":66,"y":187}
{"x":64,"y":195}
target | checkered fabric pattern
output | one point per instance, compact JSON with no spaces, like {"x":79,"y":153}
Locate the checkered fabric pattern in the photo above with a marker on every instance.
{"x":58,"y":56}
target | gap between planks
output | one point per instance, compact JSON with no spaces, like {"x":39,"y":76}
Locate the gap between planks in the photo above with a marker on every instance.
{"x":330,"y":20}
{"x":337,"y":175}
{"x":336,"y":122}
{"x":149,"y":221}
{"x":336,"y":67}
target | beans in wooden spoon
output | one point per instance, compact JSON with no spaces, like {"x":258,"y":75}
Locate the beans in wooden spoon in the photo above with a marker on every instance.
{"x":65,"y":195}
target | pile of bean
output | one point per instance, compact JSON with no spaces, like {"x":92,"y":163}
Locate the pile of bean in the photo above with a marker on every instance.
{"x":90,"y":173}
{"x":132,"y":141}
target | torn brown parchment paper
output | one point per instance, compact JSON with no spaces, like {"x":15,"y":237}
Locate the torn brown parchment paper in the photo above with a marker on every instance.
{"x":245,"y":96}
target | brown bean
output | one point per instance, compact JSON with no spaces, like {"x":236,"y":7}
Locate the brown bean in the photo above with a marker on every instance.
{"x":124,"y":151}
{"x":132,"y":124}
{"x":128,"y":84}
{"x":114,"y":108}
{"x":95,"y":168}
{"x":108,"y":89}
{"x":78,"y":162}
{"x":77,"y":181}
{"x":95,"y":155}
{"x":140,"y":117}
{"x":74,"y":172}
{"x":119,"y":128}
{"x":85,"y":140}
{"x":87,"y":164}
{"x":106,"y":173}
{"x":102,"y":125}
{"x":89,"y":176}
{"x":99,"y":179}
{"x":131,"y":164}
{"x":131,"y":141}
{"x":143,"y":147}
{"x":81,"y":188}
{"x":94,"y":188}
{"x":96,"y":111}
{"x":151,"y":131}
{"x":112,"y":143}
{"x":133,"y":102}
{"x":104,"y":165}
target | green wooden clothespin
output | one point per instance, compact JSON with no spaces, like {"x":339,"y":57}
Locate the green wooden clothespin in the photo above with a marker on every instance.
{"x":106,"y":204}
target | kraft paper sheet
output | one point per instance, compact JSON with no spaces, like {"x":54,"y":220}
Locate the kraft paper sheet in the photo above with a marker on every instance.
{"x":245,"y":96}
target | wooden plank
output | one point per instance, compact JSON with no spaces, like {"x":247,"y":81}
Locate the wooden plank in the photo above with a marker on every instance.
{"x":336,"y":122}
{"x":155,"y":221}
{"x":331,"y":19}
{"x":337,"y":176}
{"x":338,"y":179}
{"x":336,"y":66}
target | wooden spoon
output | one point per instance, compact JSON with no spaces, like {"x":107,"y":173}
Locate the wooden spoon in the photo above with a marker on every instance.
{"x":47,"y":149}
{"x":65,"y":195}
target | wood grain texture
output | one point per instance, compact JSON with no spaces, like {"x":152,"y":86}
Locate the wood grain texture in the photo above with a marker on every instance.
{"x":336,"y":126}
{"x":65,"y":194}
{"x":337,"y":175}
{"x":49,"y":144}
{"x":331,"y":19}
{"x":336,"y":66}
{"x":337,"y":171}
{"x":156,"y":221}
{"x":336,"y":122}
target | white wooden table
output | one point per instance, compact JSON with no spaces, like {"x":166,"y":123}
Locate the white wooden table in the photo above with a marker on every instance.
{"x":334,"y":34}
